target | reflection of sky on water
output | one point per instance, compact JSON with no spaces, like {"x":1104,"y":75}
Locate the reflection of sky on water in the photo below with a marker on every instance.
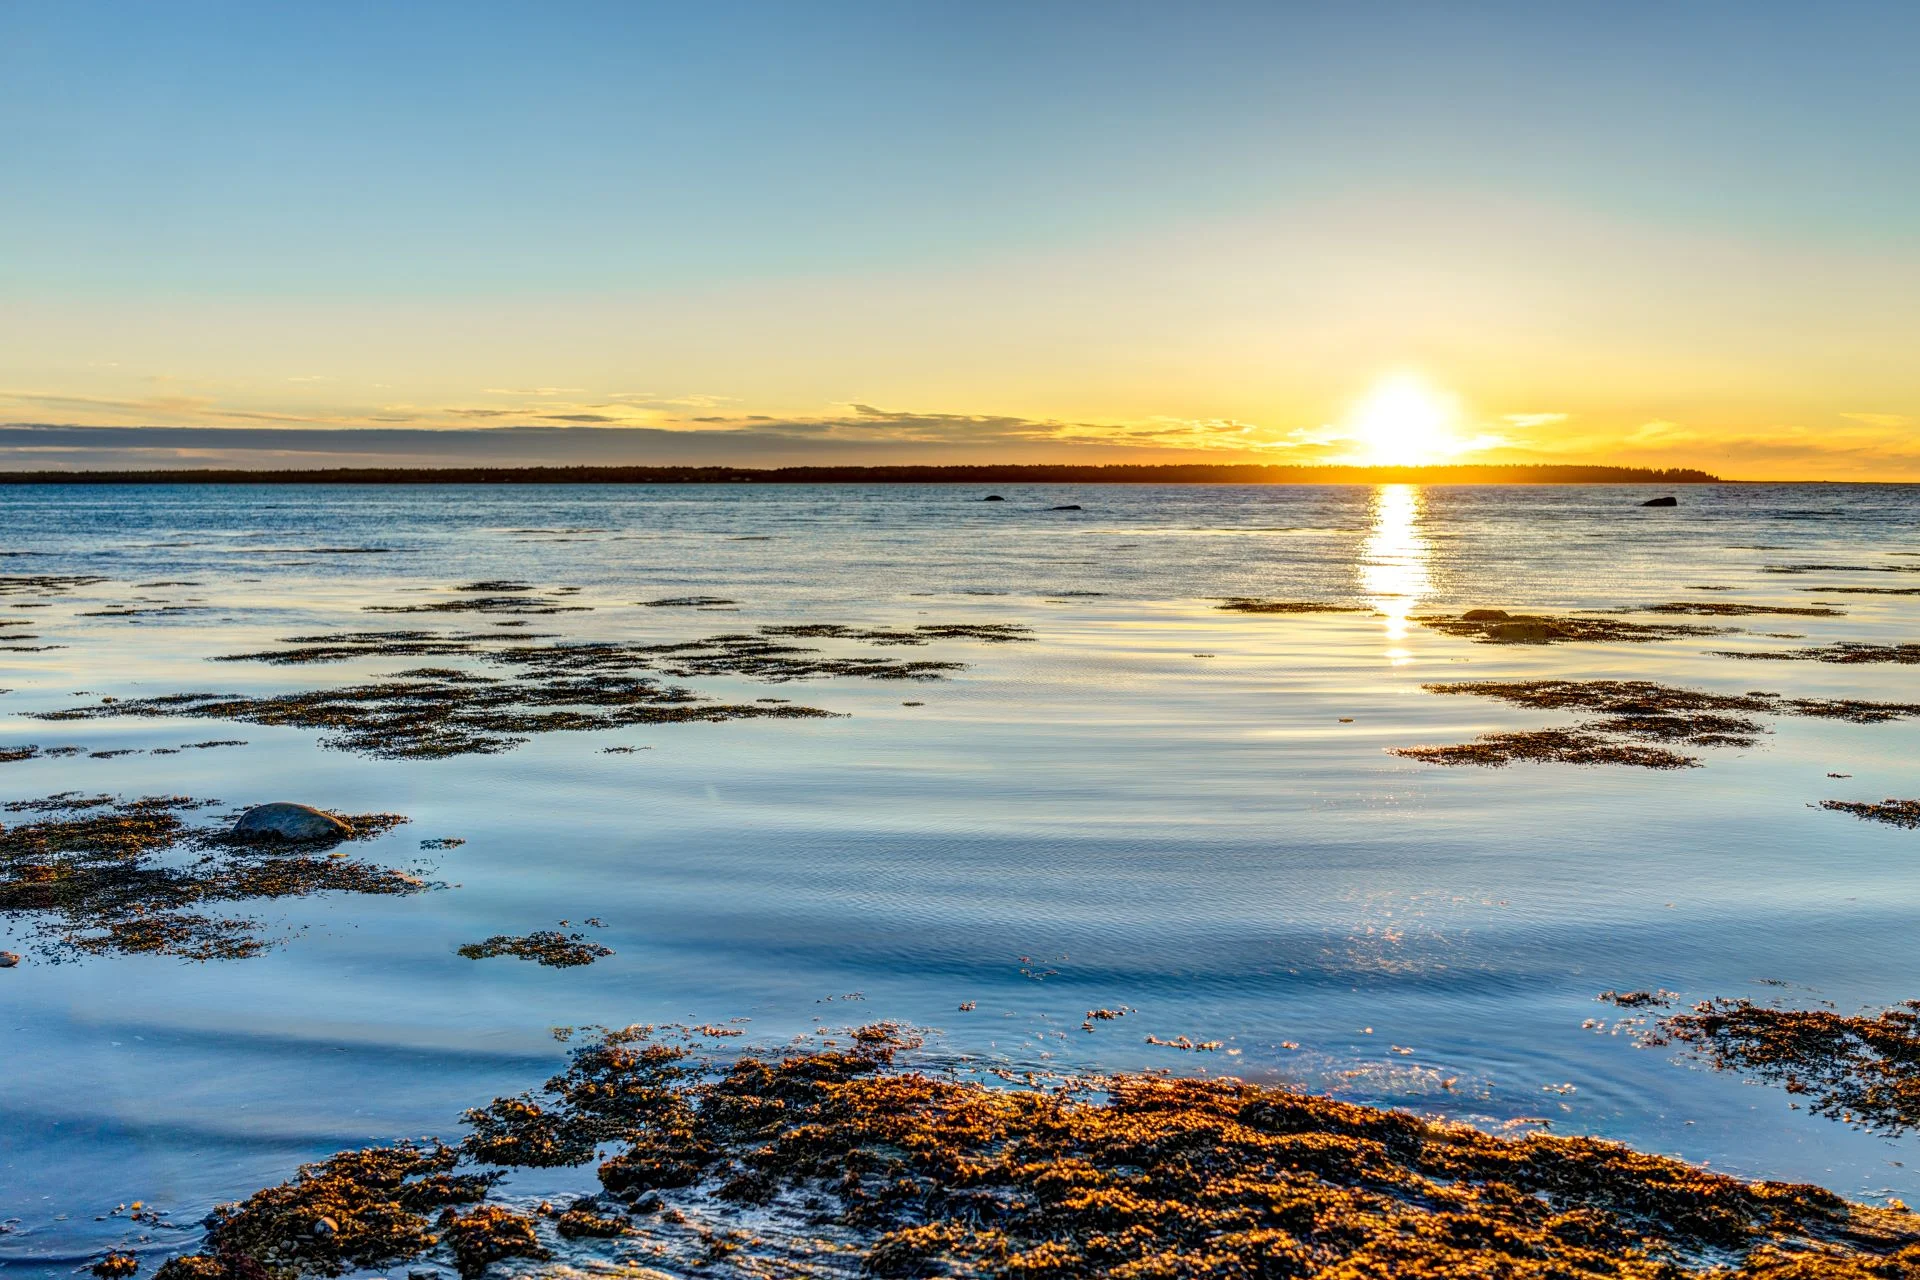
{"x":1393,"y":563}
{"x":1224,"y":845}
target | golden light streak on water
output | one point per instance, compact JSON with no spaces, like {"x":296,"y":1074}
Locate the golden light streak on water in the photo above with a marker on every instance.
{"x":1393,"y":563}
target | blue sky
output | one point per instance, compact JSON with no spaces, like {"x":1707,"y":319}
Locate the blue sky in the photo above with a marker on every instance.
{"x":230,"y":164}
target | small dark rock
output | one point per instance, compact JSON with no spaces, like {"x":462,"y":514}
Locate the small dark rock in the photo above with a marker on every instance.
{"x":294,"y":822}
{"x":8,"y":959}
{"x":993,"y":497}
{"x":1071,"y":506}
{"x":1668,"y":501}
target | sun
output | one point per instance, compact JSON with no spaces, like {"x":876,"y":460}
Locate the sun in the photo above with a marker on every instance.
{"x":1404,"y":422}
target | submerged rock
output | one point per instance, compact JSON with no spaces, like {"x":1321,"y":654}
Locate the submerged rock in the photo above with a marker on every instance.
{"x":1525,"y":631}
{"x":1668,"y":501}
{"x":993,"y":497}
{"x":283,"y":820}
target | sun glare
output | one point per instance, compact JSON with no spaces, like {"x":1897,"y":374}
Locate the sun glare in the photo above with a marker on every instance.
{"x":1403,"y":422}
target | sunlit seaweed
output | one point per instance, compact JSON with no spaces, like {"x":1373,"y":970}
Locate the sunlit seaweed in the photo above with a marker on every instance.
{"x":1254,"y":604}
{"x":1150,"y":1177}
{"x":1845,"y":652}
{"x":356,"y":1209}
{"x":1549,"y":746}
{"x":1860,"y":1069}
{"x":1728,"y":609}
{"x":1497,"y":626}
{"x":94,"y":879}
{"x":1839,"y":568}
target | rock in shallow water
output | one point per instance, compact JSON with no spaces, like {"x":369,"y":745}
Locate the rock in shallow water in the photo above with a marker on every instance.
{"x":282,"y":820}
{"x":8,"y":959}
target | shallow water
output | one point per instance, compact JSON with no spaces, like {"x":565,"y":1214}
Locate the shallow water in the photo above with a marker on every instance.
{"x":1155,"y":804}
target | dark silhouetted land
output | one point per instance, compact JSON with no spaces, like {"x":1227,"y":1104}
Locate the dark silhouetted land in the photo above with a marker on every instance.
{"x":1011,"y":474}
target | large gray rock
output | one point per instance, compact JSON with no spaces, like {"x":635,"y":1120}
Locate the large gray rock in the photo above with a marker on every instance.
{"x":296,"y":822}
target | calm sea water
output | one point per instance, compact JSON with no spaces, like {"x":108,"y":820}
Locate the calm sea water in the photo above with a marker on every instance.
{"x":1158,"y":805}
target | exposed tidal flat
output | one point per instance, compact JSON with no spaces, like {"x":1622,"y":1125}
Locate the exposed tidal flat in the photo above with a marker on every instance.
{"x":752,"y":763}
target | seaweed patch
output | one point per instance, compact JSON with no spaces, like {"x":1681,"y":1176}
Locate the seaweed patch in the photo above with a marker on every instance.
{"x":1497,"y":626}
{"x":548,"y":946}
{"x":1254,"y":604}
{"x":1845,"y":653}
{"x":434,"y":711}
{"x":1863,"y":1070}
{"x":1728,"y":609}
{"x":843,"y":1162}
{"x":94,"y":877}
{"x":1899,"y":813}
{"x":1633,"y":716}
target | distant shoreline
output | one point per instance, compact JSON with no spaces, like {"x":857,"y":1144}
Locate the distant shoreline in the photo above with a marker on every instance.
{"x":1008,"y":474}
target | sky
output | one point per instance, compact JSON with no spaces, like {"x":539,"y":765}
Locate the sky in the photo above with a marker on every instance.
{"x":1665,"y":234}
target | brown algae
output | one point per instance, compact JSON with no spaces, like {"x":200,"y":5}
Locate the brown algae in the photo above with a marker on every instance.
{"x":95,"y":877}
{"x":1138,"y":1176}
{"x":549,"y":947}
{"x":1497,"y":626}
{"x":1861,"y":1069}
{"x":1899,"y":813}
{"x":427,"y":712}
{"x":1633,"y":716}
{"x":1255,"y":604}
{"x":1845,"y":653}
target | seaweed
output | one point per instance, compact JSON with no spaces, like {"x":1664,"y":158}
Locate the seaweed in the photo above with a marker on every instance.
{"x":93,"y":877}
{"x":505,"y":604}
{"x":1863,"y":1070}
{"x":549,"y":947}
{"x":46,"y":584}
{"x":355,"y":1209}
{"x":429,"y":712}
{"x":489,"y":1233}
{"x":1254,"y":604}
{"x":1839,"y":568}
{"x":1845,"y":652}
{"x":902,"y":1172}
{"x":1497,"y":626}
{"x":1630,"y":714}
{"x":1899,"y":813}
{"x":1728,"y":609}
{"x":430,"y":718}
{"x":1555,"y":746}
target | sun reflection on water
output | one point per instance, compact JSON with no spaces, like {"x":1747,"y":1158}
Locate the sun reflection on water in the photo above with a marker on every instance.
{"x":1393,"y":563}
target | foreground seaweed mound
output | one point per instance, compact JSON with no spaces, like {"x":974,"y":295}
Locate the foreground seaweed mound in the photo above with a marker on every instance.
{"x":841,"y":1162}
{"x":1639,"y":721}
{"x":94,"y":874}
{"x":1860,"y":1069}
{"x":918,"y":1174}
{"x":356,"y":1209}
